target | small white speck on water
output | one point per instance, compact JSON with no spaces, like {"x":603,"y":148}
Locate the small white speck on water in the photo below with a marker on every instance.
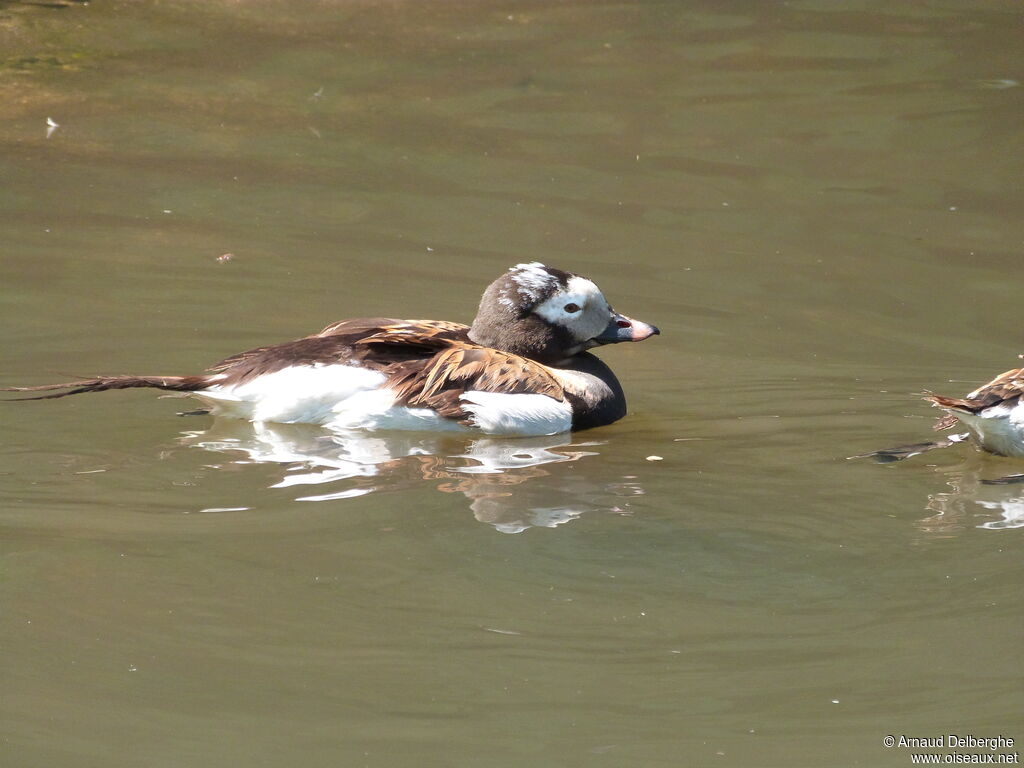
{"x":168,"y":210}
{"x":51,"y":126}
{"x":501,"y":631}
{"x":999,"y":83}
{"x":835,"y":701}
{"x":132,"y":668}
{"x":952,"y":207}
{"x":655,"y":458}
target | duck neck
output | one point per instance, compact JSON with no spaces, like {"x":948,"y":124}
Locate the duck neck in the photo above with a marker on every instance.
{"x":528,"y":336}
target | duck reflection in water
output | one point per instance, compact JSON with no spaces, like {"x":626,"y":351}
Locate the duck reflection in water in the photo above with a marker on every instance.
{"x":974,"y":502}
{"x":493,"y":473}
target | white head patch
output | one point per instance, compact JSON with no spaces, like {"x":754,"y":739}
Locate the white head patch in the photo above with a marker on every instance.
{"x":580,"y":307}
{"x":531,"y":281}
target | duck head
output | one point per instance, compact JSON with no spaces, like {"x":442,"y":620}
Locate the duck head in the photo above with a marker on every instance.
{"x":550,"y":315}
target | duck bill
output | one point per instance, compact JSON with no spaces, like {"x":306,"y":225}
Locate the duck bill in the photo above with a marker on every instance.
{"x":622,"y":328}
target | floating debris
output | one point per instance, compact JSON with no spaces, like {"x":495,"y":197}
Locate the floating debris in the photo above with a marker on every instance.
{"x":225,"y":257}
{"x":51,"y":126}
{"x":999,"y":83}
{"x":501,"y":631}
{"x":655,"y":458}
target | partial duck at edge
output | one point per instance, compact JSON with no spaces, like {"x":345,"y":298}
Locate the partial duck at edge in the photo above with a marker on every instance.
{"x":993,"y":415}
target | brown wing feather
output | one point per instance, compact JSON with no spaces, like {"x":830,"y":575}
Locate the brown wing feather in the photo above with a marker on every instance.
{"x":438,"y":383}
{"x":442,"y":328}
{"x":262,"y":360}
{"x":374,"y":343}
{"x":1004,"y":387}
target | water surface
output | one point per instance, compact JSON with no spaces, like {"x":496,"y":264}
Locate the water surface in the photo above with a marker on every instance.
{"x":818,"y":204}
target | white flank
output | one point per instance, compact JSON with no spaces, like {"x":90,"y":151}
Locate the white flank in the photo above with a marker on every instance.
{"x":346,"y":397}
{"x":500,"y":414}
{"x":307,"y":394}
{"x":376,"y":409}
{"x":999,"y":429}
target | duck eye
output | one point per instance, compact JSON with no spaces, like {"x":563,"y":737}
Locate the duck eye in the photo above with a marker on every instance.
{"x":570,"y":307}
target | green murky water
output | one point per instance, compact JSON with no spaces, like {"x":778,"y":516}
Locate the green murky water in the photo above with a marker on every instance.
{"x":817,"y":203}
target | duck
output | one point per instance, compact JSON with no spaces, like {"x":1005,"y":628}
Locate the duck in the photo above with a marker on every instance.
{"x":993,"y":414}
{"x":522,"y":368}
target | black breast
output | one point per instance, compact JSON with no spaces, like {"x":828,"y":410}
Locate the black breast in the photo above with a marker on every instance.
{"x":597,"y":397}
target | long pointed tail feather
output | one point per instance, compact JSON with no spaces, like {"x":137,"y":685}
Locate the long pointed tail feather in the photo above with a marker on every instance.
{"x":103,"y":383}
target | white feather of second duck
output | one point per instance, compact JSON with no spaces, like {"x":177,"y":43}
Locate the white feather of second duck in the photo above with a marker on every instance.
{"x":999,"y":428}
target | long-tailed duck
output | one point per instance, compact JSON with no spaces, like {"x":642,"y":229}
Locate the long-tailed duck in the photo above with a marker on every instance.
{"x":993,"y":414}
{"x":522,"y":368}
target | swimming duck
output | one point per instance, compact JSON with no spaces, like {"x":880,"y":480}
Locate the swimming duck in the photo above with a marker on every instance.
{"x":993,"y":414}
{"x":522,"y":368}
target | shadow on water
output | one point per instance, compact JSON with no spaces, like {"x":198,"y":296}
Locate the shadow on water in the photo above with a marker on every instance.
{"x":494,"y":474}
